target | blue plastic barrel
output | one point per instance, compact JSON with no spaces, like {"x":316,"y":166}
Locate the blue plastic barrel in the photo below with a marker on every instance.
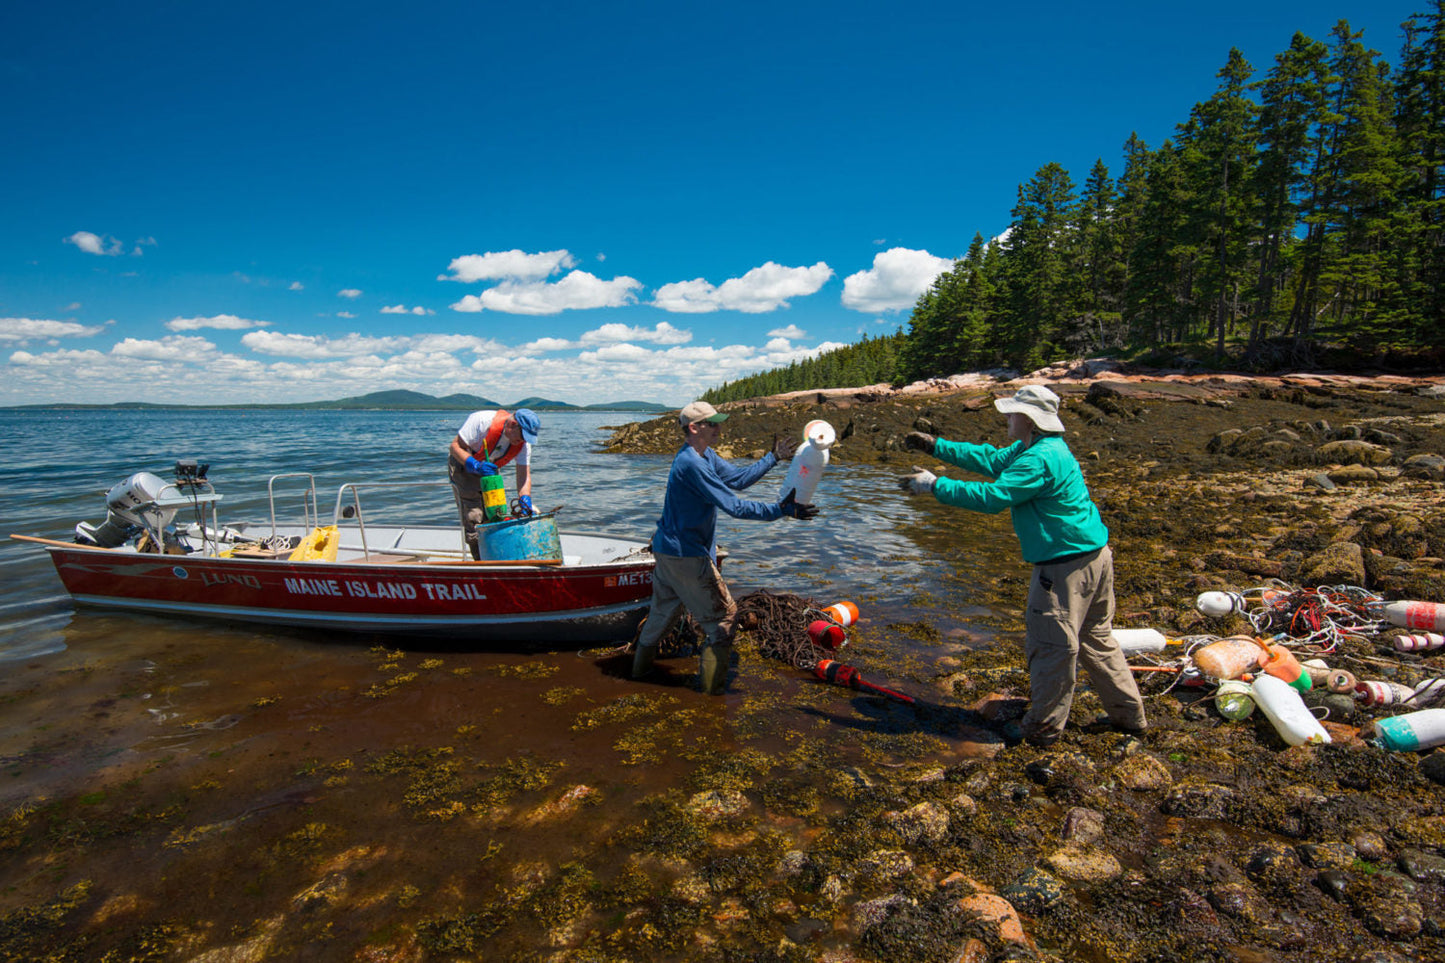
{"x":520,"y":539}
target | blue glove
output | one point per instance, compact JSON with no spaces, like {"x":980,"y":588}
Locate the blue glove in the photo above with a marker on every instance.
{"x":480,"y":467}
{"x":525,"y":501}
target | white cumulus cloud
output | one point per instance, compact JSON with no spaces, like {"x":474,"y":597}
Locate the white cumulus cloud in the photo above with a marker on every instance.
{"x":222,"y":322}
{"x":579,"y":290}
{"x":95,"y":244}
{"x":662,"y":333}
{"x":25,"y":330}
{"x":762,"y":289}
{"x":512,"y":265}
{"x":319,"y":346}
{"x":898,"y":276}
{"x":403,"y":309}
{"x":792,"y":332}
{"x":169,"y":348}
{"x":351,"y":293}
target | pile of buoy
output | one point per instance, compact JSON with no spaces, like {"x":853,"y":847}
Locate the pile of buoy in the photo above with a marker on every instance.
{"x":1273,"y":667}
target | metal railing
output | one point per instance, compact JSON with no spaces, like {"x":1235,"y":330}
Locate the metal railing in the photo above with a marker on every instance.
{"x":347,"y":512}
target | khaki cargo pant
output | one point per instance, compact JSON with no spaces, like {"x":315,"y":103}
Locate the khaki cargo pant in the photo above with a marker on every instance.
{"x":697,"y":585}
{"x":1069,"y":617}
{"x":468,"y":491}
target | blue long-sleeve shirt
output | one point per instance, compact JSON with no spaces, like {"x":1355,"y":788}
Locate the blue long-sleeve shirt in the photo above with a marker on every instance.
{"x":697,"y":487}
{"x":1042,"y":487}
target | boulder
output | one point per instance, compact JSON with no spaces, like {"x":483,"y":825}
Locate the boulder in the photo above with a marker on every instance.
{"x":1426,"y":466}
{"x":1342,"y":563}
{"x":1354,"y":452}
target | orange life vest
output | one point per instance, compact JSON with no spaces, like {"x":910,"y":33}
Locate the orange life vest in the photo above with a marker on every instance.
{"x":494,"y":435}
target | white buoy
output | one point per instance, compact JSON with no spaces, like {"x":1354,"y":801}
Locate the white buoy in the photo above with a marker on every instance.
{"x":1412,"y":731}
{"x":1282,"y":704}
{"x":1219,"y":604}
{"x":1131,"y":641}
{"x":809,"y":461}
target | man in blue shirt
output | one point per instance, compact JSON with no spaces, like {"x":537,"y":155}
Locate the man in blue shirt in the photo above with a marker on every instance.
{"x":1071,"y":595}
{"x":686,"y":574}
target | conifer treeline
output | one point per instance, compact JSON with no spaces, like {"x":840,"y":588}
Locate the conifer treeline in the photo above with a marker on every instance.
{"x":1302,"y":207}
{"x":869,"y":362}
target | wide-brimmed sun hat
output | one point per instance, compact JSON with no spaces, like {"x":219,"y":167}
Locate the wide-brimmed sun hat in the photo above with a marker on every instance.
{"x":699,"y":411}
{"x":1036,"y":401}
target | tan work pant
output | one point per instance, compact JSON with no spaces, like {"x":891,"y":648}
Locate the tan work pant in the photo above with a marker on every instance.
{"x":694,"y":583}
{"x":1069,"y":617}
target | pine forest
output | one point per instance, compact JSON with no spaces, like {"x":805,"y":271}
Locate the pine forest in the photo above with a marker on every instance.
{"x":1296,"y":218}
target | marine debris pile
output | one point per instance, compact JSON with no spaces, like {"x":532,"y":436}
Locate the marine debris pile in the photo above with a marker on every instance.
{"x":1313,"y":660}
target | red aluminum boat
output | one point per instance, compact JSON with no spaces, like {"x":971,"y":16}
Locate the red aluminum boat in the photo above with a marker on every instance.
{"x":533,"y":584}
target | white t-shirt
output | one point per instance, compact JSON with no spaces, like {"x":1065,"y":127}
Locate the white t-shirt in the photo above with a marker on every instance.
{"x":474,"y":431}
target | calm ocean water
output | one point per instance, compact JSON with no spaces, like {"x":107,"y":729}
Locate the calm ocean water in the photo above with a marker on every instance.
{"x":59,"y":464}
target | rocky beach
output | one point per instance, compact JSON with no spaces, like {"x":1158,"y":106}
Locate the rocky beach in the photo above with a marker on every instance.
{"x":1205,"y":839}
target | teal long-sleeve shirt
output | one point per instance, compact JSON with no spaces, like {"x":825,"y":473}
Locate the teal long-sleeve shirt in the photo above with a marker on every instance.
{"x":1041,"y":486}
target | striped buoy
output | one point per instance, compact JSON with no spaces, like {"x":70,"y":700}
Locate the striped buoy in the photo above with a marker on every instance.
{"x":1376,"y":693}
{"x":844,"y":613}
{"x":1417,"y":642}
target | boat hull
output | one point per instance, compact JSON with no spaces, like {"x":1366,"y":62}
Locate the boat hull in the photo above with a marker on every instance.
{"x":534,"y":604}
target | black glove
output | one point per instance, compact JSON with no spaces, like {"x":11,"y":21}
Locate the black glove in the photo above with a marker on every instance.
{"x":791,"y":506}
{"x":784,"y":447}
{"x":920,"y":440}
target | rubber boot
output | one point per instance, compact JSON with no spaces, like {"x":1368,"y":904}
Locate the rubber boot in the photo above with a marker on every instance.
{"x":642,"y":660}
{"x":713,"y":668}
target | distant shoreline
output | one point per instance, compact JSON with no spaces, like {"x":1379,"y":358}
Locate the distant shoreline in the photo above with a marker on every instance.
{"x":324,"y":406}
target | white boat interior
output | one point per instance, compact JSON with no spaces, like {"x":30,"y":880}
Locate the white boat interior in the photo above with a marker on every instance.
{"x":143,"y":511}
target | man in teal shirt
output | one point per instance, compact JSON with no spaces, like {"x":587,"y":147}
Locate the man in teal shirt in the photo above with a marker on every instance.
{"x":1071,"y":593}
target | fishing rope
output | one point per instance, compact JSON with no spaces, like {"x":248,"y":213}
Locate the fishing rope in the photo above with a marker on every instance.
{"x":778,"y":621}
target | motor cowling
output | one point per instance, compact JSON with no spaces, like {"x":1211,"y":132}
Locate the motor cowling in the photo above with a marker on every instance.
{"x":129,"y":505}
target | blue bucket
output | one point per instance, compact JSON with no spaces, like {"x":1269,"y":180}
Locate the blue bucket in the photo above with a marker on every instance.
{"x":520,"y":540}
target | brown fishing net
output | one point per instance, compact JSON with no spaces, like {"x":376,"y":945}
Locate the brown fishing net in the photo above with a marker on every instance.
{"x":776,"y":623}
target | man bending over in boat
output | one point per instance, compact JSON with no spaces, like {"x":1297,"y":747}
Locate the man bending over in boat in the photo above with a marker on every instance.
{"x":686,"y":572}
{"x":486,"y":441}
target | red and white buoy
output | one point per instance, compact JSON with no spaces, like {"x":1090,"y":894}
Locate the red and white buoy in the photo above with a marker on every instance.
{"x":1416,"y":615}
{"x":1416,"y":643}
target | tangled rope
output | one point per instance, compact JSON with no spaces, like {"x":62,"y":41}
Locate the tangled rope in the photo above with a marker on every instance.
{"x":1324,"y":616}
{"x":778,"y":621}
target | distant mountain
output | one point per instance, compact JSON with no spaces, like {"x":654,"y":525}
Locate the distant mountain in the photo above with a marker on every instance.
{"x":398,"y":401}
{"x":402,"y":400}
{"x":629,"y":406}
{"x":543,"y":404}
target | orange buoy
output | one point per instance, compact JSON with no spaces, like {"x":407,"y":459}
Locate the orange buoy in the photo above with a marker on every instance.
{"x":844,"y":613}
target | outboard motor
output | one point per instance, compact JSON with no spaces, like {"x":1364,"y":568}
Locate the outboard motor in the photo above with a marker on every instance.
{"x":129,"y":504}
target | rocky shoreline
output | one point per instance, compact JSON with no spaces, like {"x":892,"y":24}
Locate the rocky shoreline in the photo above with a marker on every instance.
{"x":1205,"y":839}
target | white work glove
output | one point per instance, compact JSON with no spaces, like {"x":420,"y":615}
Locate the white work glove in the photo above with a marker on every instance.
{"x":919,"y":483}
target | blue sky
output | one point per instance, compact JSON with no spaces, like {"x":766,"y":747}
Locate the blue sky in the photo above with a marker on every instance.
{"x":585,"y":202}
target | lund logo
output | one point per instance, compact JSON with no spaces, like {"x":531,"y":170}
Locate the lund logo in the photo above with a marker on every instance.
{"x":250,"y":581}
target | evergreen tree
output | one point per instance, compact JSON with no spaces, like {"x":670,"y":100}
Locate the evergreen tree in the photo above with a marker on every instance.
{"x":1217,"y":150}
{"x":1419,"y":263}
{"x":1037,"y":257}
{"x":1292,"y":105}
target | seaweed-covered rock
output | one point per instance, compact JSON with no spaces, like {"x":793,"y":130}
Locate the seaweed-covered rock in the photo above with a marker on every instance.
{"x":1353,"y":452}
{"x":1341,"y":563}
